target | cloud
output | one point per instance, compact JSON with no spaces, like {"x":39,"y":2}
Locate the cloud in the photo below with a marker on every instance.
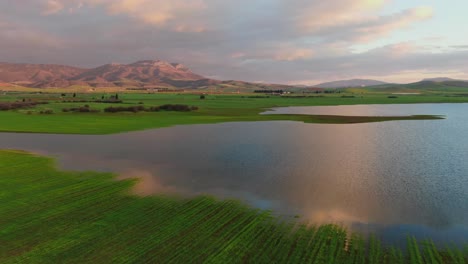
{"x":316,"y":15}
{"x":396,"y":50}
{"x":276,"y":41}
{"x":367,"y":28}
{"x":292,"y":55}
{"x":52,"y":7}
{"x":15,"y":36}
{"x":300,"y":16}
{"x":280,"y":52}
{"x":154,"y":11}
{"x":384,"y":25}
{"x":179,"y":15}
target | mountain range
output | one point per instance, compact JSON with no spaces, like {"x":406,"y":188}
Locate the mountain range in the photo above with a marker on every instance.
{"x":141,"y":74}
{"x":147,"y":74}
{"x":350,"y":83}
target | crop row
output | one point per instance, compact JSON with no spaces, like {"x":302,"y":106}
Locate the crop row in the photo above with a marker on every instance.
{"x":63,"y":217}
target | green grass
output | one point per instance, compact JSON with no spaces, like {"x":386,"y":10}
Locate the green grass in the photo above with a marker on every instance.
{"x":214,"y":109}
{"x":51,"y":216}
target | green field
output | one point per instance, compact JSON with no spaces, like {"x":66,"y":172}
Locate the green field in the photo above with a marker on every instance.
{"x":51,"y":216}
{"x":213,"y":109}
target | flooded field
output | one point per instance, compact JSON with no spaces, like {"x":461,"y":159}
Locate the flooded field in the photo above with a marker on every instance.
{"x":393,"y":178}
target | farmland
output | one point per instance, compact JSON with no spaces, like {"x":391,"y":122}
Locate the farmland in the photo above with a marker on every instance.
{"x":81,"y":217}
{"x":214,"y":109}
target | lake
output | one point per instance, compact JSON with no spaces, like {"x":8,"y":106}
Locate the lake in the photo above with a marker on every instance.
{"x":392,"y":178}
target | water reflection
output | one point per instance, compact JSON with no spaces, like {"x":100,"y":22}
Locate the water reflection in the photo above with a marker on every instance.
{"x":147,"y":183}
{"x":393,"y":177}
{"x":365,"y":110}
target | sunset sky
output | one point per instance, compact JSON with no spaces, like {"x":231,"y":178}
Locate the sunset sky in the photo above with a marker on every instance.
{"x":276,"y":41}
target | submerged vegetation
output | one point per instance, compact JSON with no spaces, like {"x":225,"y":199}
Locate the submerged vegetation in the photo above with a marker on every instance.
{"x":74,"y":217}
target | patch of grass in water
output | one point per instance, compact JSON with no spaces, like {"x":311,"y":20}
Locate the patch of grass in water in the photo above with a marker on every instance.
{"x":51,"y":216}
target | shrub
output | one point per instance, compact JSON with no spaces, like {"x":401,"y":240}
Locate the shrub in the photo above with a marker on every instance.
{"x":154,"y":109}
{"x":175,"y":107}
{"x":258,"y":96}
{"x":109,"y":101}
{"x":18,"y":105}
{"x":136,"y":109}
{"x":140,"y":108}
{"x":112,"y":109}
{"x":133,"y":109}
{"x":46,"y":112}
{"x":81,"y":109}
{"x":75,"y":101}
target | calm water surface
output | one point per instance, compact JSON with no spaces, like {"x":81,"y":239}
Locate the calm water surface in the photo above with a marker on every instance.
{"x":392,"y":178}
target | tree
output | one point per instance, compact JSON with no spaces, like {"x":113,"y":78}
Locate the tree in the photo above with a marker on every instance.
{"x":202,"y":97}
{"x":74,"y":94}
{"x":116,"y":96}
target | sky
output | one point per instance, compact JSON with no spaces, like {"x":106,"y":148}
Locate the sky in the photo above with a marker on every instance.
{"x":273,"y":41}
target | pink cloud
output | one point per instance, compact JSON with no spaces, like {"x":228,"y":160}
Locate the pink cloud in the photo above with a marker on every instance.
{"x":52,"y":7}
{"x":275,"y":41}
{"x":317,"y":15}
{"x":383,"y":25}
{"x":293,"y":54}
{"x":177,"y":15}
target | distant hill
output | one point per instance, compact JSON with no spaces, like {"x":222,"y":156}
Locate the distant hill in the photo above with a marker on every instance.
{"x":141,"y":74}
{"x":158,"y":73}
{"x":350,"y":83}
{"x":439,"y":79}
{"x":138,"y":74}
{"x":5,"y":84}
{"x":426,"y":85}
{"x":30,"y":74}
{"x":443,"y":81}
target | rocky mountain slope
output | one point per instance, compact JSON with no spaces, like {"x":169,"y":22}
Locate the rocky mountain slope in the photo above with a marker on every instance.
{"x":138,"y":74}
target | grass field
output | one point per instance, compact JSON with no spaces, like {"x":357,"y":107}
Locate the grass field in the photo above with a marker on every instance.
{"x":213,"y":109}
{"x":51,"y":216}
